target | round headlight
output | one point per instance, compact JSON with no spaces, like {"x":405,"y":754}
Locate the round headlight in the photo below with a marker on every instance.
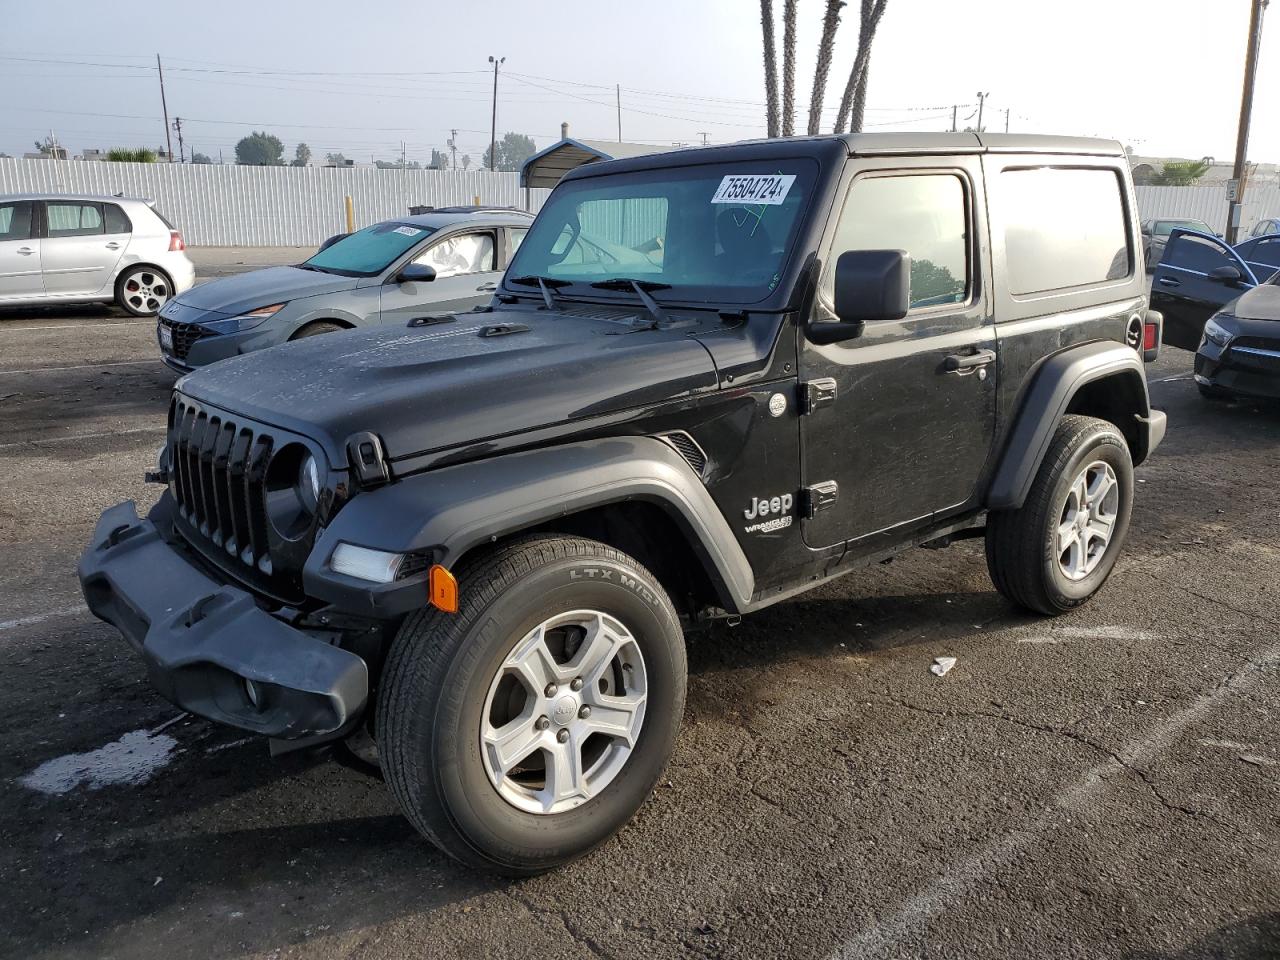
{"x":309,"y":484}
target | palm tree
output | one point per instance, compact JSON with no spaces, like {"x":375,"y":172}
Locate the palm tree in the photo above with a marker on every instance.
{"x":853,"y":103}
{"x":830,"y":23}
{"x":770,"y":67}
{"x":788,"y":67}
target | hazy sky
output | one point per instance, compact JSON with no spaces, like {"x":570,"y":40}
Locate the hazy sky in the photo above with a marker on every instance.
{"x":1161,"y":75}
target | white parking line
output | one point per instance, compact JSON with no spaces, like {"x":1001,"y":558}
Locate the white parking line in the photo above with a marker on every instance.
{"x":83,"y":366}
{"x":81,"y":436}
{"x":42,"y":617}
{"x":102,"y":325}
{"x":885,"y":937}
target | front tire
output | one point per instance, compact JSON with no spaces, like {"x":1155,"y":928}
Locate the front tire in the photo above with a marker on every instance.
{"x":1055,"y":552}
{"x":523,"y":731}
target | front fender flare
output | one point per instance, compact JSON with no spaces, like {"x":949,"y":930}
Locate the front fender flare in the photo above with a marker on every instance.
{"x":1044,"y":402}
{"x":454,"y":509}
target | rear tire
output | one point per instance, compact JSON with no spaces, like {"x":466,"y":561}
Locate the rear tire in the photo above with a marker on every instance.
{"x":142,"y":291}
{"x":315,"y":329}
{"x":1054,"y":552}
{"x":500,"y":771}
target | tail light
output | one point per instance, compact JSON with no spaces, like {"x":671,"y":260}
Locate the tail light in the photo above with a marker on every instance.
{"x":1150,"y":335}
{"x":1152,"y":328}
{"x":175,"y":241}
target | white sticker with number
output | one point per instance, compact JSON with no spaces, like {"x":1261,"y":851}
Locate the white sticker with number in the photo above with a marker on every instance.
{"x":407,"y":231}
{"x":754,"y":188}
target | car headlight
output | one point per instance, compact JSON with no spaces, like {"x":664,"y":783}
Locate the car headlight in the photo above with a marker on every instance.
{"x":309,"y":484}
{"x":246,"y":321}
{"x":1215,"y":332}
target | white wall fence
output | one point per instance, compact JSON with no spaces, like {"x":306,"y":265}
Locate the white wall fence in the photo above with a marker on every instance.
{"x":1209,"y":203}
{"x":217,"y":205}
{"x":284,"y":206}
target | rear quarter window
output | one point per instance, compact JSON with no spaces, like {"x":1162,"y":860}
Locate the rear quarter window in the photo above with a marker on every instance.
{"x":116,"y":219}
{"x":1065,"y":227}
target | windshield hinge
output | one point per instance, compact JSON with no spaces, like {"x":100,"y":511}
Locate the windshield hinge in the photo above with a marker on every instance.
{"x":368,"y":459}
{"x":817,"y":393}
{"x":818,"y":497}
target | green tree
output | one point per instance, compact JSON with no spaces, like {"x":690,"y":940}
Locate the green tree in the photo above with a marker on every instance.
{"x":335,"y":159}
{"x":260,"y":150}
{"x":930,"y":281}
{"x":201,"y":158}
{"x":439,"y":160}
{"x":513,"y":150}
{"x":466,"y":161}
{"x":1181,"y":173}
{"x":301,"y":155}
{"x":132,"y":155}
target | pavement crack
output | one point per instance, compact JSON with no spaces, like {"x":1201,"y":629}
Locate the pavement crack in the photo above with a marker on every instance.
{"x":592,"y":945}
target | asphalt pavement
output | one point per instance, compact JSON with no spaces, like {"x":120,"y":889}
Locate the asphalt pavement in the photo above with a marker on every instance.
{"x":1100,"y":785}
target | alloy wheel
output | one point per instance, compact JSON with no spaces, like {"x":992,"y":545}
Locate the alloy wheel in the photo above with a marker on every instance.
{"x":1087,"y":520}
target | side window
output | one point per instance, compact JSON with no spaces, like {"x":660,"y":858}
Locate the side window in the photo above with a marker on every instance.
{"x":460,"y":254}
{"x":516,"y":235}
{"x":923,"y":214}
{"x":116,"y":220}
{"x":15,"y":220}
{"x":1197,"y":254}
{"x":1064,"y":227}
{"x":71,"y":219}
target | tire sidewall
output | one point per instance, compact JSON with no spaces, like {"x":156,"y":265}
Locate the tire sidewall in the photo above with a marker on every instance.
{"x":1106,"y":444}
{"x":124,"y":305}
{"x":502,"y":832}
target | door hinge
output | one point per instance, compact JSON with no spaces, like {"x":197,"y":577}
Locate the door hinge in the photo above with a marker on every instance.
{"x":817,"y":393}
{"x":818,"y":497}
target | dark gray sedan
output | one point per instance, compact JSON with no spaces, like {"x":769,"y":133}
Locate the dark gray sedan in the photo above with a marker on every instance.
{"x":439,"y":262}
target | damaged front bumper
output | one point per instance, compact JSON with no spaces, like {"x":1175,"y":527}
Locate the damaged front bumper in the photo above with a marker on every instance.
{"x":209,"y":648}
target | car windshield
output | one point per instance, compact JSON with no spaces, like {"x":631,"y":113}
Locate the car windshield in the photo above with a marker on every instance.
{"x":716,"y":232}
{"x":368,"y":252}
{"x":1165,"y":227}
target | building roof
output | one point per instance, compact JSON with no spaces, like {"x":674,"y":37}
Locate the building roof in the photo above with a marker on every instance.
{"x":546,"y":167}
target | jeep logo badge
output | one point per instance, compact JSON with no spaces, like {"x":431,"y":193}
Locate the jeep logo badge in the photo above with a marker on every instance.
{"x":763,"y":506}
{"x":565,"y":710}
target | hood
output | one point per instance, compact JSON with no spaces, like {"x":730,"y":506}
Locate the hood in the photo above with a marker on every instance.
{"x":259,"y":288}
{"x":1260,"y":303}
{"x":464,"y":380}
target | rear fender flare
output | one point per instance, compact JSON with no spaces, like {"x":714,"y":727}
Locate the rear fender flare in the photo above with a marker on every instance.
{"x":1046,"y":400}
{"x":455,"y":509}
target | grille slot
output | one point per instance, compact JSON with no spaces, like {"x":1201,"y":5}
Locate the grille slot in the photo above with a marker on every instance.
{"x":184,"y":335}
{"x":219,"y":484}
{"x":688,"y":448}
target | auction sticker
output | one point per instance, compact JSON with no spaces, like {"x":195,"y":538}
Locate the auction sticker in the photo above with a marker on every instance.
{"x":407,"y":231}
{"x":754,"y":188}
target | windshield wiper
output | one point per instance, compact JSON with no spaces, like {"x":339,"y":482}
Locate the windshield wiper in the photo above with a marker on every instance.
{"x":545,"y":284}
{"x":308,"y":266}
{"x":641,"y":288}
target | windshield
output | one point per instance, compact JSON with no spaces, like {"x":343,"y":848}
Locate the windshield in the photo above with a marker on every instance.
{"x":368,"y":252}
{"x":1165,"y":227}
{"x":715,"y":232}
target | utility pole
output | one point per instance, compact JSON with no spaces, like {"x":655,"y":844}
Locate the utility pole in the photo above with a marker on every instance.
{"x":1236,"y":204}
{"x":177,"y":127}
{"x":168,"y":144}
{"x":982,"y":102}
{"x":402,"y":155}
{"x":453,"y":149}
{"x":955,"y":107}
{"x":493,"y":127}
{"x":704,"y":137}
{"x":617,"y":90}
{"x":1006,"y":119}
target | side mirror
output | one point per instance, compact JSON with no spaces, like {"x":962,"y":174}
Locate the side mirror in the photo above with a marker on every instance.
{"x":1225,"y":274}
{"x":871,"y":285}
{"x":416,"y":273}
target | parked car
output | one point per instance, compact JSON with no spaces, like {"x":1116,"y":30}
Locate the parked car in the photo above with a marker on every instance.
{"x":1269,"y":227}
{"x":447,"y":260}
{"x":1215,"y":303}
{"x":1155,"y":233}
{"x":482,"y":538}
{"x":68,"y":248}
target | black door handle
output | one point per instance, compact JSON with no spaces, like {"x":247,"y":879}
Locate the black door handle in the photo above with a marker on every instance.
{"x":1168,"y":282}
{"x":957,"y":362}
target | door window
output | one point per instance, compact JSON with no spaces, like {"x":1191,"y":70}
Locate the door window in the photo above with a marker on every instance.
{"x":15,"y":220}
{"x":70,"y":219}
{"x":1196,"y":254}
{"x":116,"y":220}
{"x":458,"y":255}
{"x":517,"y":235}
{"x":923,"y":214}
{"x":1064,"y":227}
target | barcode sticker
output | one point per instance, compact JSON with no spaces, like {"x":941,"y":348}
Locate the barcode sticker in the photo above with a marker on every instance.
{"x":407,"y":231}
{"x":754,"y":188}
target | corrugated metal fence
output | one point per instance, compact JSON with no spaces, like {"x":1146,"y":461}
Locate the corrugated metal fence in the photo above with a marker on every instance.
{"x":1209,"y":203}
{"x":267,"y":206}
{"x":286,"y":206}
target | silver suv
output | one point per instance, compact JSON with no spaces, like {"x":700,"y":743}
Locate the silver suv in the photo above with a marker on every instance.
{"x":68,"y":248}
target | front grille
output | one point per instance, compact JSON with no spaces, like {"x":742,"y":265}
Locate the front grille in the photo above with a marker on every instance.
{"x":1256,"y":353}
{"x":184,"y":335}
{"x":218,"y":477}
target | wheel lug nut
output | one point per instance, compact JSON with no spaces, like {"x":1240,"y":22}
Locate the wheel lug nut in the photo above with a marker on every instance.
{"x":584,"y":712}
{"x":576,"y":685}
{"x":551,"y":690}
{"x":563,"y":736}
{"x":543,"y":723}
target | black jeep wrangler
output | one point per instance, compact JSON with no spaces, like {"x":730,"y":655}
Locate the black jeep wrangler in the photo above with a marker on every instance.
{"x":711,"y":379}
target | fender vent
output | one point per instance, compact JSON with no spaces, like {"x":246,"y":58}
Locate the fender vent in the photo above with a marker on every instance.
{"x":688,"y":448}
